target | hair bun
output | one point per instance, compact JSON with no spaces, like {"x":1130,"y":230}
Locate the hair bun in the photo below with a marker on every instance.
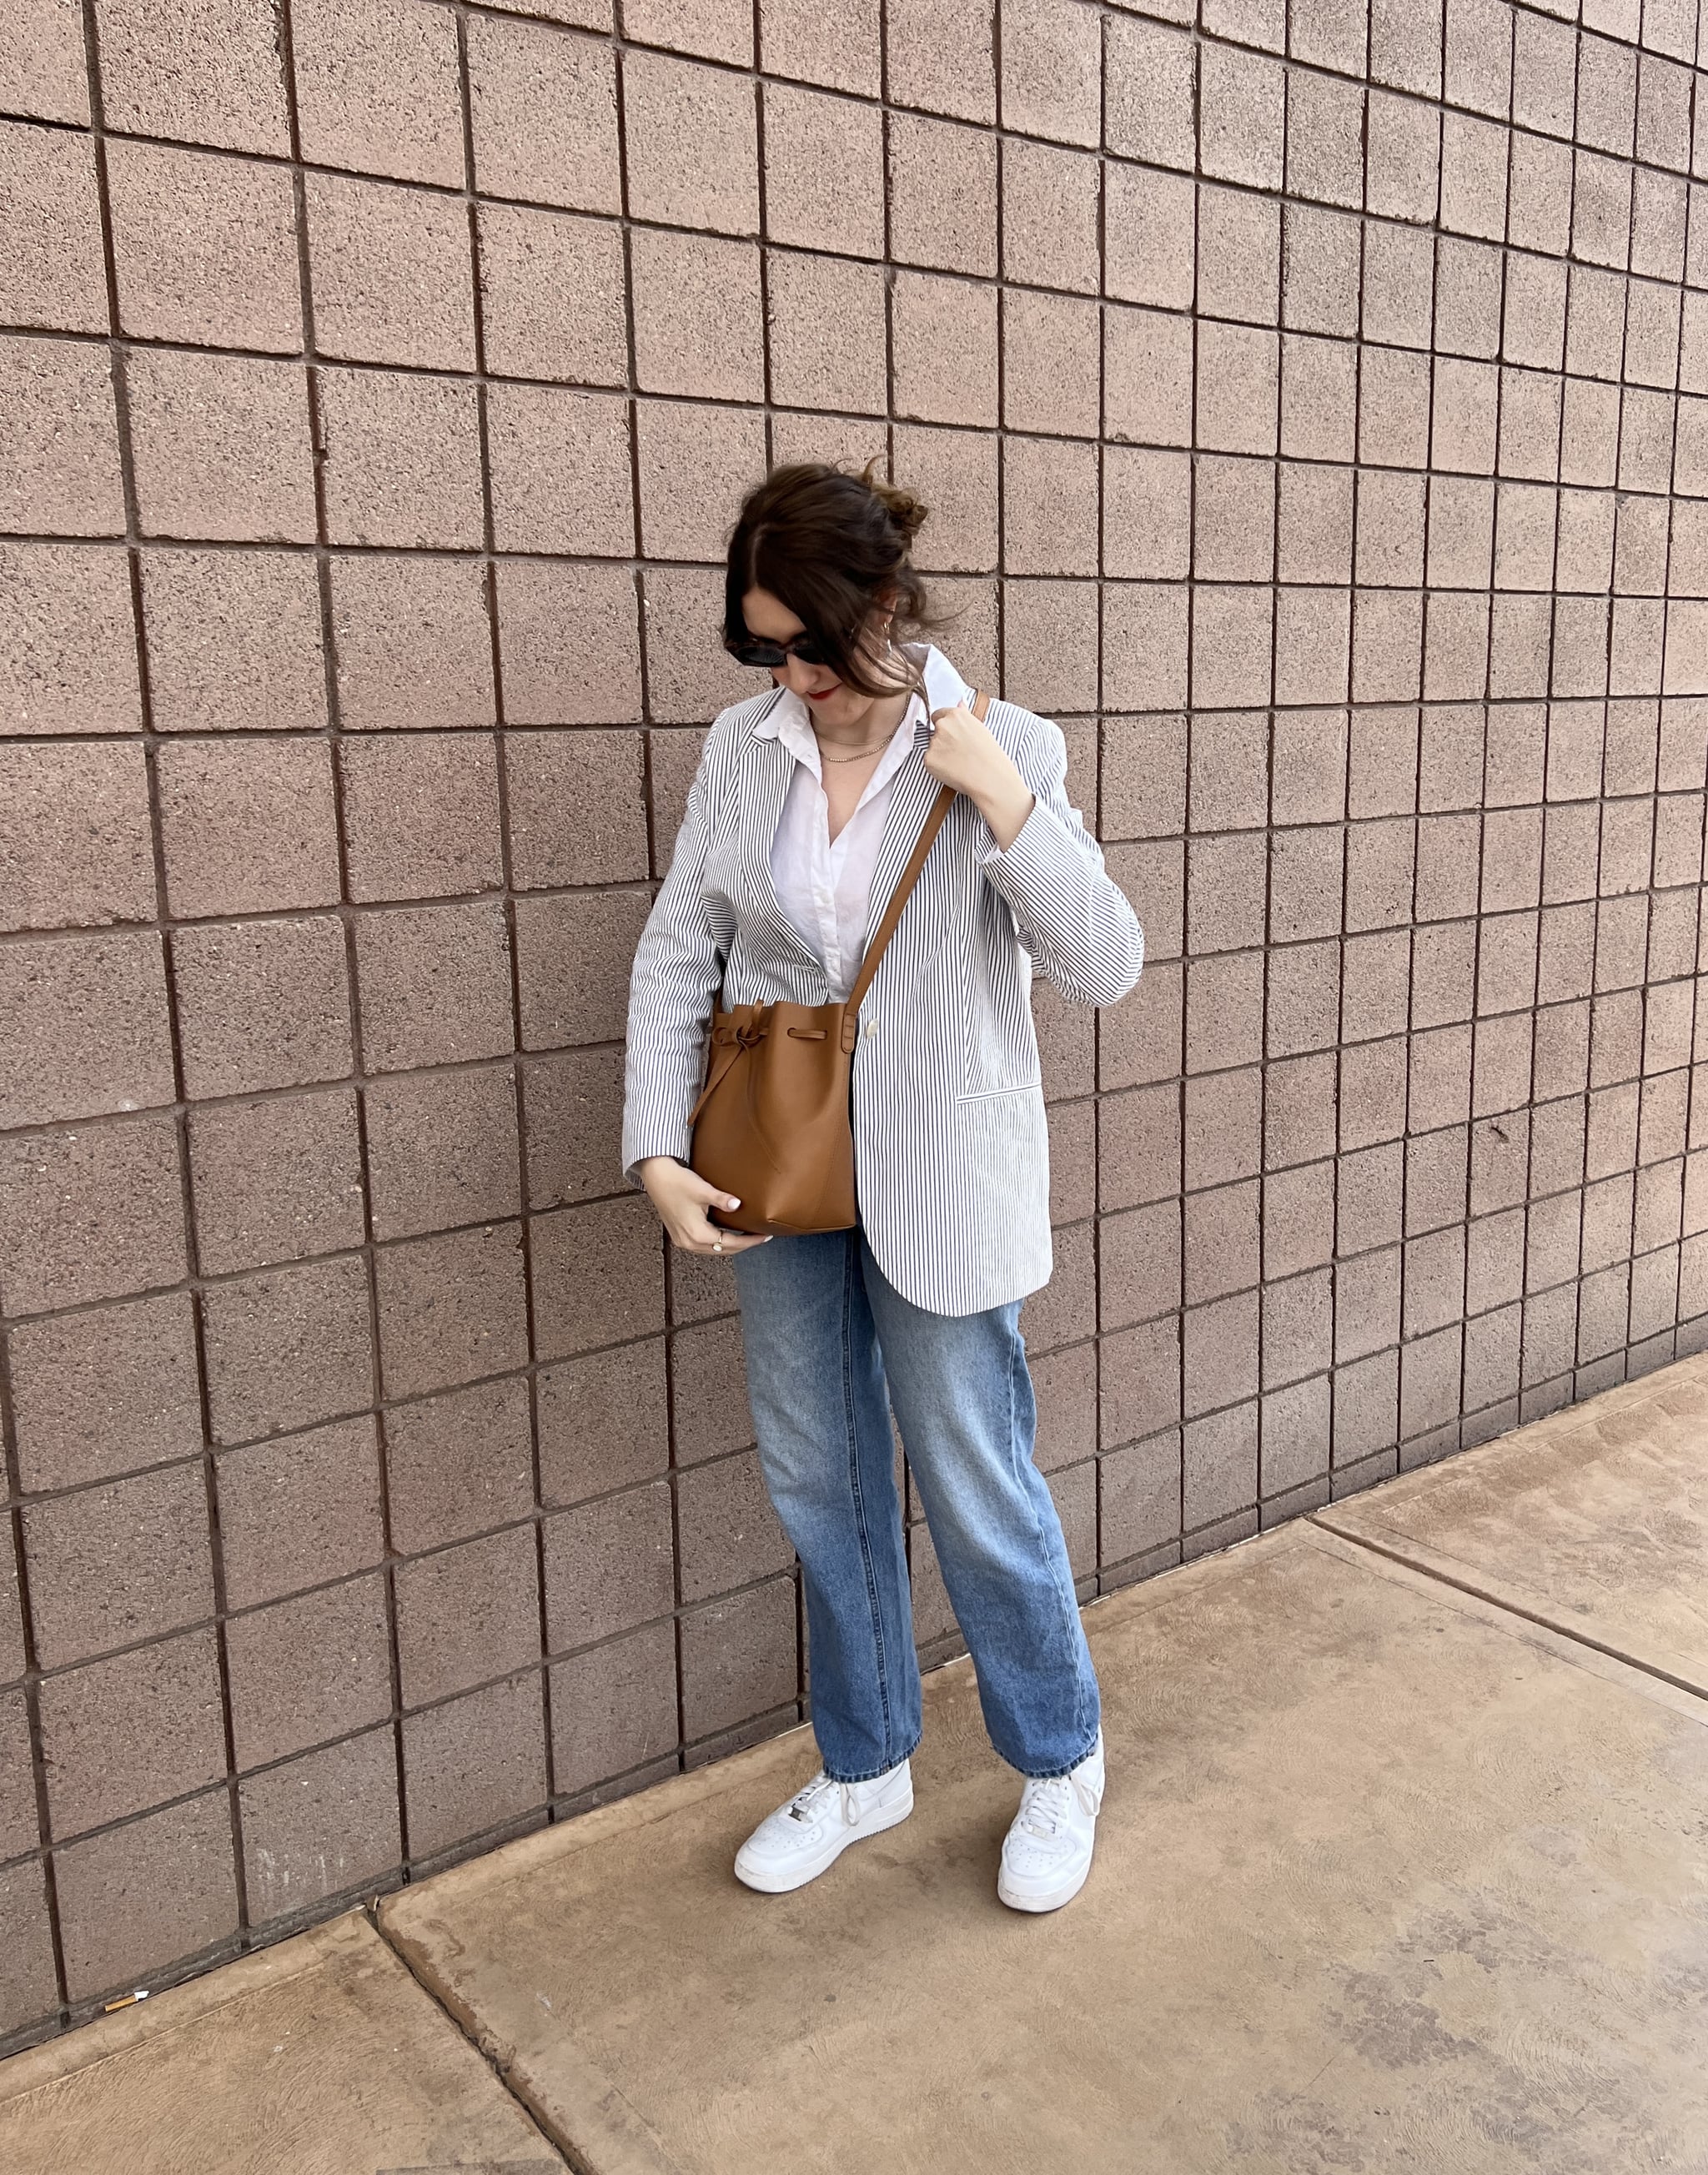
{"x":904,"y":509}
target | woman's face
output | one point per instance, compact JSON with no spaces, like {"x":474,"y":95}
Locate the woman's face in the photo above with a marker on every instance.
{"x":831,"y":702}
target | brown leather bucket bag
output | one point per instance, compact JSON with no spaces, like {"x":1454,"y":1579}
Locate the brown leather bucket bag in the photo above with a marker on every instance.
{"x":772,"y":1124}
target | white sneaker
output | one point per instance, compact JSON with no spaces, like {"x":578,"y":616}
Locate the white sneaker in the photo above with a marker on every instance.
{"x":799,"y":1840}
{"x":1046,"y":1853}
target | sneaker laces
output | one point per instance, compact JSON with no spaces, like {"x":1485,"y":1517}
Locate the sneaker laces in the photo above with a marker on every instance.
{"x":1045,"y":1805}
{"x":806,"y":1804}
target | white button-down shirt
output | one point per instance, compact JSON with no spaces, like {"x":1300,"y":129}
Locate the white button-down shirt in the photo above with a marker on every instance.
{"x":825,"y":884}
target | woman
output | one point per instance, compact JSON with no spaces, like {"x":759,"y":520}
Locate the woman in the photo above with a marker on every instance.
{"x":806,"y":803}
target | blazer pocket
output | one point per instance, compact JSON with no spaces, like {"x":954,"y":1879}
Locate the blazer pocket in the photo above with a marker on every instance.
{"x":995,"y":1094}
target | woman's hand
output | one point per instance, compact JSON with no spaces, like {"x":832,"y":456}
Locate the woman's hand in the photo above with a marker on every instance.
{"x":681,"y":1197}
{"x":965,"y":753}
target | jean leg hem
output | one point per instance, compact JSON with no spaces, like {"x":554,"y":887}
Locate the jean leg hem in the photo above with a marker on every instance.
{"x":872,"y":1774}
{"x":1054,"y":1774}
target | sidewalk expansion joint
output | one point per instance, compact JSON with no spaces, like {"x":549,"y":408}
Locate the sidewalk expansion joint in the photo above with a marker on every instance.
{"x":571,"y":2158}
{"x":1426,"y":1564}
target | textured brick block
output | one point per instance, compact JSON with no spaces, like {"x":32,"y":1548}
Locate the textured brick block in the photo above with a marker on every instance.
{"x":943,"y":192}
{"x":59,"y":439}
{"x":43,"y":70}
{"x":574,"y":1104}
{"x":1149,"y":93}
{"x":560,"y":466}
{"x":824,"y":172}
{"x":140,"y":1898}
{"x":436,"y":1491}
{"x":1051,"y":347}
{"x":1139,"y":1493}
{"x":262,"y":1004}
{"x":692,"y":144}
{"x":697,"y":325}
{"x":609,"y":1566}
{"x":234,"y":641}
{"x":824,"y":331}
{"x":1241,"y":129}
{"x":299,"y":1512}
{"x":214,"y":78}
{"x":474,"y":1764}
{"x":53,"y":276}
{"x":74,"y":842}
{"x":111,"y":1566}
{"x":604,"y":1422}
{"x":204,"y":248}
{"x":321,"y":1826}
{"x":400,"y":459}
{"x":222,"y":447}
{"x":940,"y":57}
{"x":94,"y":1214}
{"x":275,"y":1181}
{"x":706,"y":27}
{"x":552,"y":297}
{"x":738,"y":1658}
{"x":392,"y":276}
{"x":1051,"y":501}
{"x":442,"y":1150}
{"x":105,"y":1392}
{"x":247,"y":825}
{"x":543,"y":113}
{"x":570,"y":640}
{"x":377,"y":89}
{"x":121,"y":1735}
{"x":1050,"y":202}
{"x":728,"y":1534}
{"x":613,"y":1707}
{"x":1138,"y":1265}
{"x":420,"y":815}
{"x":1140,"y":1381}
{"x":598,"y":1275}
{"x":467,"y":1613}
{"x":598,"y":774}
{"x":83,"y":1028}
{"x":709,"y":1413}
{"x":945,"y":350}
{"x":1149,"y":236}
{"x":1052,"y":71}
{"x":452,"y":1308}
{"x":1147,"y":377}
{"x":414,"y":643}
{"x":435,"y":985}
{"x":307,"y":1669}
{"x":29,"y":1980}
{"x":287,"y":1349}
{"x":573,"y":964}
{"x":692,"y":677}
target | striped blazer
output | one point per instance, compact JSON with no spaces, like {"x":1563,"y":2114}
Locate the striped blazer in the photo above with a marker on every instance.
{"x":951,"y":1152}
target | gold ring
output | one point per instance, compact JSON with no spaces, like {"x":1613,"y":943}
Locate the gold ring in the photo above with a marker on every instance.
{"x":716,"y":1245}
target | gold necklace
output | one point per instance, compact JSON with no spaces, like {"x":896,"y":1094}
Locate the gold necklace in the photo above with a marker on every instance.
{"x":860,"y":757}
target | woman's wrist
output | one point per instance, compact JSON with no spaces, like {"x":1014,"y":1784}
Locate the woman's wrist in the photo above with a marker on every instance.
{"x":1005,"y":807}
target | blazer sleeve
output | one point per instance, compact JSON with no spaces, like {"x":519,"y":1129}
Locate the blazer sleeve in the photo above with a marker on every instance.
{"x":1072,"y":916}
{"x":673,"y":987}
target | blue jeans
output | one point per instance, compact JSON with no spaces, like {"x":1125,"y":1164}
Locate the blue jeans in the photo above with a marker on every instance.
{"x":825,"y":1333}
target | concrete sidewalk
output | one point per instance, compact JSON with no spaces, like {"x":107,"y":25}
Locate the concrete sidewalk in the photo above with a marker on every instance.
{"x":1403,"y":1865}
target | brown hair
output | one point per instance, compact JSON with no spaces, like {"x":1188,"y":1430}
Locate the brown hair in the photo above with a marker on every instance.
{"x":830,"y":544}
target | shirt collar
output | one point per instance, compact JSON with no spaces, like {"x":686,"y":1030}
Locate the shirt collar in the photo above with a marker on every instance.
{"x":789,"y":720}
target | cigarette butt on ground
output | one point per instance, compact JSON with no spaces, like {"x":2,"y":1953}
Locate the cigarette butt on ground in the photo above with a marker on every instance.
{"x":125,"y":2000}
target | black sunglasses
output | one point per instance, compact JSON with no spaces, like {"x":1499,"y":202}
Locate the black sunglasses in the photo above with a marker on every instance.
{"x":754,"y":649}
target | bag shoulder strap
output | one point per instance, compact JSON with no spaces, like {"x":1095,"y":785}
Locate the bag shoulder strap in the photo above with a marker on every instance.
{"x":909,"y":876}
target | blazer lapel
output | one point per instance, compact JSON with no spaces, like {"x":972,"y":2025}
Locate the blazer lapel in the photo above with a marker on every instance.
{"x":912,"y":791}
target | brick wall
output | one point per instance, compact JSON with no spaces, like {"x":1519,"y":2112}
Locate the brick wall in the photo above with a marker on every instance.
{"x":1310,"y":402}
